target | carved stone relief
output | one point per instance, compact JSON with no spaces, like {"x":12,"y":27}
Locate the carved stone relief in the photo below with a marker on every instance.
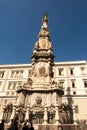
{"x":42,"y":71}
{"x":43,"y":43}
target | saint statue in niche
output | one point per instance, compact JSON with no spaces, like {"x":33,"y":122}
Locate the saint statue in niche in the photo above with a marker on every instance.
{"x":43,"y":44}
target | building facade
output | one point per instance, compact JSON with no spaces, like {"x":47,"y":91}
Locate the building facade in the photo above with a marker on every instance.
{"x":43,"y":82}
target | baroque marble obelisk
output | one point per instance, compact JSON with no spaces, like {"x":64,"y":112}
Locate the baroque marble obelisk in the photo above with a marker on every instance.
{"x":38,"y":98}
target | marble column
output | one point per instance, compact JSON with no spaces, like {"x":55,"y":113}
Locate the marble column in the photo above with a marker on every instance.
{"x":2,"y":114}
{"x":74,"y":116}
{"x":13,"y":112}
{"x":45,"y":115}
{"x":57,"y":115}
{"x":27,"y":113}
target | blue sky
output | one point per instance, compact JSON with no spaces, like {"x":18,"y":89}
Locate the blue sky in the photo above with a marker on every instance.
{"x":20,"y":22}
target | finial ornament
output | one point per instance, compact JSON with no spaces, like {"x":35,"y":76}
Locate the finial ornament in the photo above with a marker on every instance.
{"x":45,"y":17}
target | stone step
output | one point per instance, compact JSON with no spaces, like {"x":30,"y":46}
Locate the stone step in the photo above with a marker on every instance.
{"x":51,"y":127}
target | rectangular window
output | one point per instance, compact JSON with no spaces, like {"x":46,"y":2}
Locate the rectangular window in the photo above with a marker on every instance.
{"x":73,"y":84}
{"x":83,"y":71}
{"x":85,"y":84}
{"x":61,"y":71}
{"x":10,"y":85}
{"x":1,"y":74}
{"x":71,"y":71}
{"x":13,"y":85}
{"x":17,"y":73}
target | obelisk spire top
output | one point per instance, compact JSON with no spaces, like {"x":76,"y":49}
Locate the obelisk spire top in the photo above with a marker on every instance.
{"x":43,"y":47}
{"x":45,"y":17}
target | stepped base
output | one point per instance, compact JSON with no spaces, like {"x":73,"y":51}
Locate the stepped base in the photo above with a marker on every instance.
{"x":51,"y":127}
